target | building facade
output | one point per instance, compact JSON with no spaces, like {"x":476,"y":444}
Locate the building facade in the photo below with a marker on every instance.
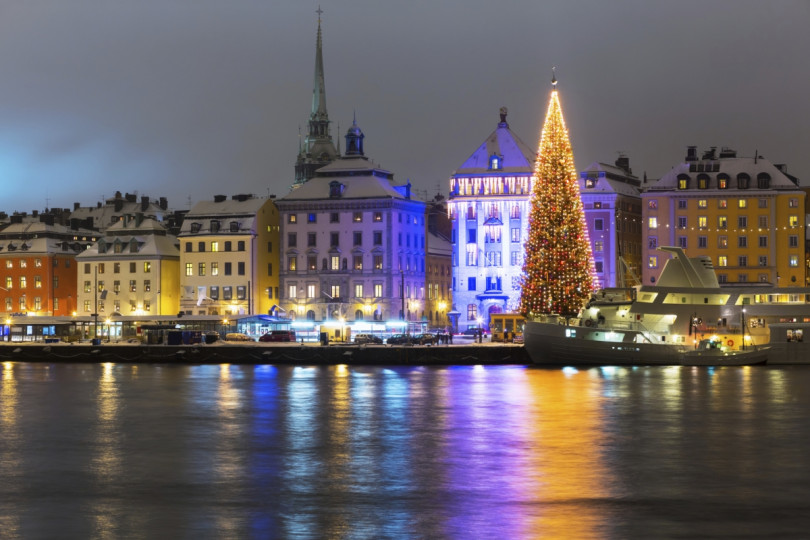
{"x":611,"y":197}
{"x":38,"y":259}
{"x":133,"y":269}
{"x":745,"y":213}
{"x":353,"y":244}
{"x":490,"y":194}
{"x":438,"y":265}
{"x":229,"y":256}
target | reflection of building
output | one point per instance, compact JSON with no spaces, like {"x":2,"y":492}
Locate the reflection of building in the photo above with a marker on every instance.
{"x":489,"y":206}
{"x":350,"y":240}
{"x":133,"y":269}
{"x":746,"y":214}
{"x":612,"y":202}
{"x":229,"y":256}
{"x":38,"y":260}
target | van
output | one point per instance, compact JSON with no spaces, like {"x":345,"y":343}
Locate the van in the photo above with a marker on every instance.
{"x":279,"y":335}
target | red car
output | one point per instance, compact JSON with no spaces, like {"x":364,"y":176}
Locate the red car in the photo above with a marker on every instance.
{"x":278,"y":335}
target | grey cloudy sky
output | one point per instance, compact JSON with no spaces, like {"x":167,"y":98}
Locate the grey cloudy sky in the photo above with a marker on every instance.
{"x":191,"y":98}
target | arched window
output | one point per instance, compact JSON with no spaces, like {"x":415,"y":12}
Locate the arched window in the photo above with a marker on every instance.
{"x":310,"y":315}
{"x":683,"y":181}
{"x":722,"y":181}
{"x":763,"y":181}
{"x":743,"y":181}
{"x":358,"y":315}
{"x":703,"y":181}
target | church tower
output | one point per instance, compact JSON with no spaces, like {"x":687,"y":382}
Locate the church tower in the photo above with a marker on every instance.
{"x":317,"y":148}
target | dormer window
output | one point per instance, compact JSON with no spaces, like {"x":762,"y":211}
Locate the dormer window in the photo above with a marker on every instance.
{"x":234,"y":226}
{"x":195,"y":227}
{"x":214,"y":226}
{"x":683,"y":181}
{"x":335,"y":189}
{"x":590,"y":183}
{"x":763,"y":181}
{"x":495,"y":162}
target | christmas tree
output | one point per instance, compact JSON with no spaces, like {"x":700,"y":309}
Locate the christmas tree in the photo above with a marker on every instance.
{"x":557,"y":268}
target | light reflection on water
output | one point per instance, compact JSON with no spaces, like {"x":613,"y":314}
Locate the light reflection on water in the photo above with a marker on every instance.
{"x":110,"y":451}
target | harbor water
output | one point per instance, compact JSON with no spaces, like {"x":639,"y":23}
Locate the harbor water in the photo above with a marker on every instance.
{"x":230,"y":451}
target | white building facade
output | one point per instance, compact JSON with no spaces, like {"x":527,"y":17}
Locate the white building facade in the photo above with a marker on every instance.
{"x":490,"y":197}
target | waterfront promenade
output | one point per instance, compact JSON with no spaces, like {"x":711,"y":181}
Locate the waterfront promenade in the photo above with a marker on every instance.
{"x":464,"y":353}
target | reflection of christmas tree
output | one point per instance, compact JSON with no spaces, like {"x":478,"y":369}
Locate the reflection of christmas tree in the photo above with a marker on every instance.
{"x":557,"y":269}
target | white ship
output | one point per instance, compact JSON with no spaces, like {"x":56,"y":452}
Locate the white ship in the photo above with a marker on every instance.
{"x":665,"y":323}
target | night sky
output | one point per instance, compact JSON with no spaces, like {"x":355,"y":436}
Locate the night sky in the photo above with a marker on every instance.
{"x":191,"y":98}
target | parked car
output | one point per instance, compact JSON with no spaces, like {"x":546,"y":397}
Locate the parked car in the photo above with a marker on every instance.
{"x":399,"y":339}
{"x":473,"y":332}
{"x":367,"y":338}
{"x":425,"y":339}
{"x":237,"y":336}
{"x":278,"y":335}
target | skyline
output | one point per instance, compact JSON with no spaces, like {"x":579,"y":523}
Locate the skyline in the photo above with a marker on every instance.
{"x":188,"y":102}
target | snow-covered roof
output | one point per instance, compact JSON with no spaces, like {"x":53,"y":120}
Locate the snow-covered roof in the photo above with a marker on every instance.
{"x":359,"y":178}
{"x":517,"y":156}
{"x":609,"y":181}
{"x":731,"y":166}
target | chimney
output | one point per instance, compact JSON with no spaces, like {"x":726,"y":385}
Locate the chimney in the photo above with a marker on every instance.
{"x":76,"y":205}
{"x":691,"y":153}
{"x":131,"y":197}
{"x":119,"y":204}
{"x":727,"y":152}
{"x":710,"y":153}
{"x":623,"y":162}
{"x":144,"y":203}
{"x":35,"y":213}
{"x":98,"y":205}
{"x":164,"y":203}
{"x":220,"y":198}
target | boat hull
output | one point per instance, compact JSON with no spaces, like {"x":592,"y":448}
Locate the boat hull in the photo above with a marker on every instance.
{"x":737,"y":358}
{"x":557,"y":344}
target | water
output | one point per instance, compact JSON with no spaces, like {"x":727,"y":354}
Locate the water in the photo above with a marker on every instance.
{"x":142,"y":451}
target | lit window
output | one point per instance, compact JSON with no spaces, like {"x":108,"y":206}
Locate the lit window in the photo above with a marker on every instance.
{"x":292,"y":291}
{"x":358,"y":290}
{"x":793,"y":203}
{"x":189,"y":269}
{"x":703,"y":203}
{"x":214,"y":246}
{"x":652,"y":204}
{"x":703,"y":222}
{"x":742,"y":203}
{"x":793,"y":221}
{"x":722,"y":222}
{"x":653,"y":261}
{"x":794,"y":261}
{"x":147,"y":267}
{"x":653,"y":222}
{"x":311,"y":291}
{"x":722,"y":260}
{"x":722,"y":203}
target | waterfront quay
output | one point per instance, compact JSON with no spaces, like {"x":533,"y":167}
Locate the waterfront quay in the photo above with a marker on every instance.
{"x":276,"y":353}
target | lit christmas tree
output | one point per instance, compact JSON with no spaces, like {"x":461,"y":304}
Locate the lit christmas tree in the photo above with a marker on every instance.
{"x":558,"y":268}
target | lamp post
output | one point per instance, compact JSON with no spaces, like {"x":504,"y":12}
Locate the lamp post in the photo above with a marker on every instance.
{"x":95,"y":304}
{"x":742,"y":317}
{"x":402,"y":295}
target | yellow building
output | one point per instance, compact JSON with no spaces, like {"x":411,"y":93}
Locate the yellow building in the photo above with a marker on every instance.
{"x":229,"y":256}
{"x":746,"y":214}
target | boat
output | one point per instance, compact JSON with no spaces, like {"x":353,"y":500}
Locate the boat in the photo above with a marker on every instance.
{"x":712,"y":352}
{"x":662,"y":323}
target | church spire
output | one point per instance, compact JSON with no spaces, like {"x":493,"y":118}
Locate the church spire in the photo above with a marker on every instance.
{"x":319,"y":86}
{"x":318,"y":148}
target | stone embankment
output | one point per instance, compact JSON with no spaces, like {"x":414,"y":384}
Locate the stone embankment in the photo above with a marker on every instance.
{"x":255,"y":353}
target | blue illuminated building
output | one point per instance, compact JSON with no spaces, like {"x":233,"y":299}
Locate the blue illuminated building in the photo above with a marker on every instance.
{"x":489,"y":206}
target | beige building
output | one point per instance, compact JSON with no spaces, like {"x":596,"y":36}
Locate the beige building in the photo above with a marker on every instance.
{"x":133,"y":269}
{"x":229,"y":256}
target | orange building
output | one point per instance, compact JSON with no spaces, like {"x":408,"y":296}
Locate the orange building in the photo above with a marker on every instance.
{"x":38,"y":267}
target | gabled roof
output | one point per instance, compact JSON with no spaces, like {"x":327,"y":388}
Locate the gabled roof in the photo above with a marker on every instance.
{"x":609,"y":182}
{"x":517,"y":156}
{"x":360,"y":178}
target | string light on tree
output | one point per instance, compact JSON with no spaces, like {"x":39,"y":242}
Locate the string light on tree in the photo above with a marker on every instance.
{"x":558,"y":268}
